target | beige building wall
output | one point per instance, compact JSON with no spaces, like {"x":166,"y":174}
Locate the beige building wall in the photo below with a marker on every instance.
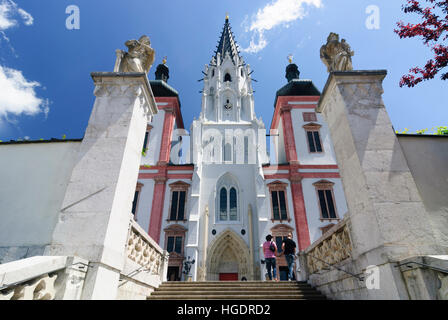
{"x":427,"y":158}
{"x":33,"y":179}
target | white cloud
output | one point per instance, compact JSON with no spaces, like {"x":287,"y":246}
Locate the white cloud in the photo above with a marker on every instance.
{"x":278,"y":12}
{"x":256,"y":47}
{"x":26,"y":16}
{"x":18,"y":95}
{"x":9,"y":10}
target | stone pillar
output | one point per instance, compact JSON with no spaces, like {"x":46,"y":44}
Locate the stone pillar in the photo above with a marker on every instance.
{"x":251,"y":242}
{"x":387,"y":217}
{"x":94,"y":218}
{"x":202,"y":270}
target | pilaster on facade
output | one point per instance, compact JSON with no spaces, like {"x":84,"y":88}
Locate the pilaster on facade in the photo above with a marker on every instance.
{"x":155,"y":223}
{"x":289,"y":103}
{"x":288,"y":133}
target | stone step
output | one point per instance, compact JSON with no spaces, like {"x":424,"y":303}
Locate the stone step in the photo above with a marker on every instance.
{"x":214,"y":288}
{"x":239,"y":284}
{"x":217,"y":288}
{"x":233,"y":292}
{"x":234,"y":282}
{"x":238,"y":297}
{"x":236,"y":290}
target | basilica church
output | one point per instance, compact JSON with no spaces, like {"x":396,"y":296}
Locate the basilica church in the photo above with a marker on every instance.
{"x":216,"y":202}
{"x":143,"y":201}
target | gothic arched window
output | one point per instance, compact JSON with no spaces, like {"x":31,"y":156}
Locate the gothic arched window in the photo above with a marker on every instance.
{"x":223,"y":204}
{"x":228,"y":204}
{"x":233,"y":205}
{"x":227,"y":199}
{"x":227,"y":77}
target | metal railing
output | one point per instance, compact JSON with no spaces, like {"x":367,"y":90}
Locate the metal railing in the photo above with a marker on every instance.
{"x":333,"y":266}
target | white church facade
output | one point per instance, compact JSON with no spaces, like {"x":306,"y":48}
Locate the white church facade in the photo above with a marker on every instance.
{"x":218,"y":201}
{"x":77,"y":222}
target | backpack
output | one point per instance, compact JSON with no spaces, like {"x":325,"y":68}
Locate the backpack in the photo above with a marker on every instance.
{"x":272,"y":247}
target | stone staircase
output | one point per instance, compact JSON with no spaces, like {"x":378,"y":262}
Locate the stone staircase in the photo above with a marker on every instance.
{"x":236,"y":290}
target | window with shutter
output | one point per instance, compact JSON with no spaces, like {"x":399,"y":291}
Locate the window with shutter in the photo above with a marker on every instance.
{"x":137,"y":193}
{"x":134,"y":203}
{"x":279,"y":202}
{"x":146,"y":140}
{"x":178,"y":245}
{"x":326,"y":201}
{"x":313,"y":137}
{"x":178,"y":201}
{"x":170,"y":244}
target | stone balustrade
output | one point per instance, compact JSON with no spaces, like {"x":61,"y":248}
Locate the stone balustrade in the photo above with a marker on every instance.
{"x":143,"y":250}
{"x":43,"y":278}
{"x":333,"y":247}
{"x":40,"y":288}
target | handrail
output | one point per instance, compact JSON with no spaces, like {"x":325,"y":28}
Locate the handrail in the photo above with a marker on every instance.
{"x":58,"y":264}
{"x":12,"y":284}
{"x":132,"y":274}
{"x":349,"y":273}
{"x":421,"y":264}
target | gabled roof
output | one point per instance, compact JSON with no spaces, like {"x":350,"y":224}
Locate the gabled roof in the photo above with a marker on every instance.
{"x":227,"y":43}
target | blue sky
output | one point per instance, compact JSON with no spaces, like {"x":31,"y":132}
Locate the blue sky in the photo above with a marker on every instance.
{"x":45,"y":85}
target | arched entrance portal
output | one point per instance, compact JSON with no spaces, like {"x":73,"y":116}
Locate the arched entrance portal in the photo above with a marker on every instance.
{"x":228,"y":258}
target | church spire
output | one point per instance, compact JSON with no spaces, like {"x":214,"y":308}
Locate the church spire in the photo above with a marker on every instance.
{"x":227,"y":43}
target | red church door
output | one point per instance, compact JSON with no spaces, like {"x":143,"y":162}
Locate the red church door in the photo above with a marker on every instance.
{"x":228,"y":277}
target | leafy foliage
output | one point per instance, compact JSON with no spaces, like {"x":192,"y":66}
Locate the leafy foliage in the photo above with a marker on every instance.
{"x":440,"y":131}
{"x":433,"y":30}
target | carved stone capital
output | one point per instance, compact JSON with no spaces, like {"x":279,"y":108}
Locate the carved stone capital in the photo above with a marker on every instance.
{"x":101,"y":91}
{"x":125,"y":85}
{"x":296,"y":178}
{"x":160,"y":180}
{"x":285,"y":108}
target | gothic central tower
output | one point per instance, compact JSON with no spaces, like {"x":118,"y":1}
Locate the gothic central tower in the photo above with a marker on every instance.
{"x":228,"y":94}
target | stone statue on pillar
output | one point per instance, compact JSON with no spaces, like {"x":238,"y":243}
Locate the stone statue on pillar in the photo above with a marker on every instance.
{"x":337,"y":56}
{"x":139,"y":58}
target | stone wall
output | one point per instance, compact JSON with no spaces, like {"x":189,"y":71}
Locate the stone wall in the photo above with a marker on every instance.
{"x":34,"y":178}
{"x":427,"y":158}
